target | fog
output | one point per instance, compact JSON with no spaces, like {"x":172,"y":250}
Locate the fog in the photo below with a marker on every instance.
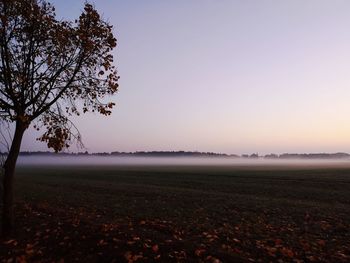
{"x":179,"y":161}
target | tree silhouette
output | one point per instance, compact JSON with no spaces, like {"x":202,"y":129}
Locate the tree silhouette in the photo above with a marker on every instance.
{"x":50,"y":69}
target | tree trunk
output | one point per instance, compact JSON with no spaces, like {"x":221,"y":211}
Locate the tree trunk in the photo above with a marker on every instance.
{"x":9,"y":171}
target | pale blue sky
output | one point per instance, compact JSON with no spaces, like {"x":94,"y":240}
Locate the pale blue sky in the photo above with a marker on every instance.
{"x":225,"y":76}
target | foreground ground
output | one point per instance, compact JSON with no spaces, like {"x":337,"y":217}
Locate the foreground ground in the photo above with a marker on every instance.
{"x":180,"y":214}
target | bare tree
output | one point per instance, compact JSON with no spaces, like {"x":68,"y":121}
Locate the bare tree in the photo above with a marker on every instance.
{"x":46,"y":66}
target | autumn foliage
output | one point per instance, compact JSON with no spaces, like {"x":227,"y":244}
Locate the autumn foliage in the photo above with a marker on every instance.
{"x":49,"y":64}
{"x":51,"y":69}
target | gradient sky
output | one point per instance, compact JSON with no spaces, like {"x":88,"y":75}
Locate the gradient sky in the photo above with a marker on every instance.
{"x":224,"y":76}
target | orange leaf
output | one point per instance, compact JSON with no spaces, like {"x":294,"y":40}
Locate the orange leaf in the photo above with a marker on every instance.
{"x":155,"y":248}
{"x":10,"y":242}
{"x":321,"y":242}
{"x":199,"y":252}
{"x":21,"y":259}
{"x":278,"y":242}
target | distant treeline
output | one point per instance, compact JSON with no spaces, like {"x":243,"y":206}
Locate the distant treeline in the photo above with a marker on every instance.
{"x":308,"y":156}
{"x":173,"y":154}
{"x":137,"y":154}
{"x":193,"y":154}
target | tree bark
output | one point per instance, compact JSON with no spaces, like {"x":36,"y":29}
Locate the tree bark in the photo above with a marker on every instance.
{"x":8,"y":179}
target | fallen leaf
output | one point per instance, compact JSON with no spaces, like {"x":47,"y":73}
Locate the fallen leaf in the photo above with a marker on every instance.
{"x":155,"y":248}
{"x":199,"y":252}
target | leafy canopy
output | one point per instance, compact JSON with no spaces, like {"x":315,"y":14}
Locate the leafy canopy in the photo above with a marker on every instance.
{"x":52,"y":69}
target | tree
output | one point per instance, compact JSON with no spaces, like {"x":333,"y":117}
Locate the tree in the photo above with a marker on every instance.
{"x":50,"y":69}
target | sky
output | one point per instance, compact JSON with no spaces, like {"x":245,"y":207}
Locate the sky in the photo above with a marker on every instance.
{"x":224,"y":76}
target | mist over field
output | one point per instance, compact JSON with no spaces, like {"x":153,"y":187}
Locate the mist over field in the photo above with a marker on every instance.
{"x":181,"y":161}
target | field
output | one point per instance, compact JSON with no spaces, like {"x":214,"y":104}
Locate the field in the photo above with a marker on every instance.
{"x":180,"y":214}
